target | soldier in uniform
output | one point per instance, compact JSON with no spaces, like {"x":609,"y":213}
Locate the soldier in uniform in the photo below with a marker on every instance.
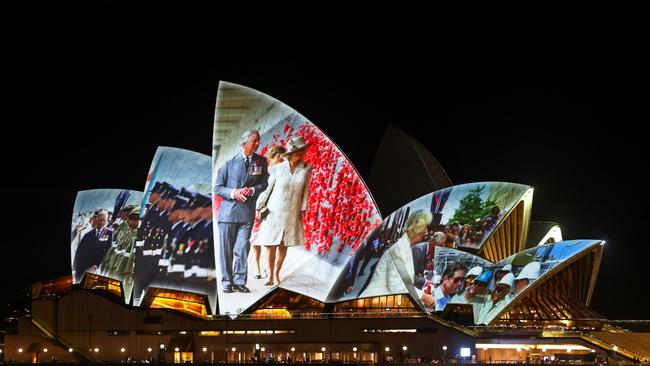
{"x":123,"y":268}
{"x":109,"y":264}
{"x":185,"y":256}
{"x":178,"y":228}
{"x":153,"y":229}
{"x":93,"y":246}
{"x":205,"y":250}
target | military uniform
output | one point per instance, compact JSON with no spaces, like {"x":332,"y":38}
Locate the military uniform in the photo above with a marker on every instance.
{"x":155,"y":226}
{"x":91,"y":250}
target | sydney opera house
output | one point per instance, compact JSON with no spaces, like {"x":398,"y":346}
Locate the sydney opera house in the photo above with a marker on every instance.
{"x":275,"y":249}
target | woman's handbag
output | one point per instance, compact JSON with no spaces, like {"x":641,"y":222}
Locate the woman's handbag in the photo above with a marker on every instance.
{"x":264,"y":212}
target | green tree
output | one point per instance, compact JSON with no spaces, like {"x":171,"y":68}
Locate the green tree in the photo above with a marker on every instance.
{"x":472,"y":208}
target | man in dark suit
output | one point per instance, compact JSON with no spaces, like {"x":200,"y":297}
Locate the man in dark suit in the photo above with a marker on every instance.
{"x":421,"y":254}
{"x":239,"y":182}
{"x":93,"y":246}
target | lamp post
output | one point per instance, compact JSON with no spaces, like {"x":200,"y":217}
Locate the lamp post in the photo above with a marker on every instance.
{"x":161,"y":353}
{"x":444,"y":353}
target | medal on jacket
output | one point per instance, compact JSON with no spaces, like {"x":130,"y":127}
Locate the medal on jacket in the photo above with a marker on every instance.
{"x":256,"y":168}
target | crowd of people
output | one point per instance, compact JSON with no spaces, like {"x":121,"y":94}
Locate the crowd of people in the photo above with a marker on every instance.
{"x":489,"y":288}
{"x":422,"y":243}
{"x":467,"y":235}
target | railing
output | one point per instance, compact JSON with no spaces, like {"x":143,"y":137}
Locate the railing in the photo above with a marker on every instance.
{"x":338,"y":315}
{"x":59,"y":341}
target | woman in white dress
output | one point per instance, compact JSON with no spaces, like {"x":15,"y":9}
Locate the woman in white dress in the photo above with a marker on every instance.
{"x":273,"y":156}
{"x":283,"y":205}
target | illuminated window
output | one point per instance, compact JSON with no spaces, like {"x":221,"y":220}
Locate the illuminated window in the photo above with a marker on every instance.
{"x":93,"y":281}
{"x":255,"y":332}
{"x":210,"y":333}
{"x":189,"y":303}
{"x":390,"y":330}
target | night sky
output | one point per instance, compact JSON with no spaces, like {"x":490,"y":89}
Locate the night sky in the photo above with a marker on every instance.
{"x":90,"y":104}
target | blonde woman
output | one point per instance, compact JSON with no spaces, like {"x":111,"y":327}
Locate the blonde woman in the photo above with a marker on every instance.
{"x":284,"y":203}
{"x":273,"y":156}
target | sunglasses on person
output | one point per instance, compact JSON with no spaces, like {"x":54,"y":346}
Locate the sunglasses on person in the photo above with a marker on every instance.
{"x":458,"y":279}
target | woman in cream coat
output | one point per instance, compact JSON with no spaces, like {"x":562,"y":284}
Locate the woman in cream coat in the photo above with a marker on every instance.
{"x":285,"y":199}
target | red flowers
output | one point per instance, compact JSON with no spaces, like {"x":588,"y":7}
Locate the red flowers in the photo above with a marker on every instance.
{"x":340,"y":209}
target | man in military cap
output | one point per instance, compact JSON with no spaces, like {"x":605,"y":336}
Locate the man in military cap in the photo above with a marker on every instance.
{"x":239,"y":183}
{"x":123,"y":267}
{"x":178,"y":227}
{"x":186,"y":253}
{"x":205,"y":249}
{"x":151,"y":237}
{"x":93,"y":246}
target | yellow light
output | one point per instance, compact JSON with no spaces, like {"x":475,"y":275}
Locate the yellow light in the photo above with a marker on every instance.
{"x":210,"y":333}
{"x":615,"y":348}
{"x":387,"y":349}
{"x":176,"y":349}
{"x":45,"y":350}
{"x":162,"y":346}
{"x":404,"y":348}
{"x":543,"y":347}
{"x":263,"y":349}
{"x":70,"y":350}
{"x":149,"y":349}
{"x":293,"y":349}
{"x":122,"y":349}
{"x":185,"y":306}
{"x":96,"y":350}
{"x":233,"y":349}
{"x":205,"y":349}
{"x":323,"y":349}
{"x":20,"y":350}
{"x":444,"y":348}
{"x":354,"y":349}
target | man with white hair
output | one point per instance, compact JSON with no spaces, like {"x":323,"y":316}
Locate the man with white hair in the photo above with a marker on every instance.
{"x":239,"y":182}
{"x":93,"y":246}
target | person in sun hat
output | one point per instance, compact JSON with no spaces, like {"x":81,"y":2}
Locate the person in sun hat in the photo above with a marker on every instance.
{"x":286,"y":202}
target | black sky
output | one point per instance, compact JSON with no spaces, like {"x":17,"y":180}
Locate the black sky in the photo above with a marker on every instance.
{"x":90,"y":103}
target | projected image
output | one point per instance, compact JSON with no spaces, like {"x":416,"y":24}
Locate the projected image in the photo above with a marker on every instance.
{"x":398,"y":257}
{"x":489,"y":287}
{"x":289,"y":206}
{"x":175,"y":248}
{"x":102,"y":240}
